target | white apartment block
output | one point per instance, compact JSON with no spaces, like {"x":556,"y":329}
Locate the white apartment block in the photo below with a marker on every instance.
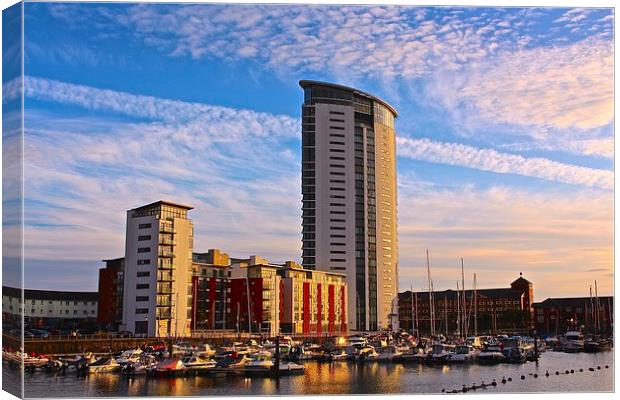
{"x":349,"y":198}
{"x":157,"y":295}
{"x":49,"y":304}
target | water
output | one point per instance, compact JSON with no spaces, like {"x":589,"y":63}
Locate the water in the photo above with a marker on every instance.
{"x":345,"y":378}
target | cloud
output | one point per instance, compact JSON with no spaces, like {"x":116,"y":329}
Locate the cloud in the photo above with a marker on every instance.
{"x":502,"y":163}
{"x":560,"y":87}
{"x":564,"y":237}
{"x":602,"y":148}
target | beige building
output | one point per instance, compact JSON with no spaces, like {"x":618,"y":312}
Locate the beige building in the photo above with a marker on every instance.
{"x":349,"y":197}
{"x":157,"y":295}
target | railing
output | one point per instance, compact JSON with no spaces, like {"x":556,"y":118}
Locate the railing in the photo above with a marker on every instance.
{"x":167,"y":254}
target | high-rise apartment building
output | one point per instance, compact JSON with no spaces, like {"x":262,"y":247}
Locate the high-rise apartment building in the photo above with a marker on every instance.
{"x":157,"y":296}
{"x":349,"y":197}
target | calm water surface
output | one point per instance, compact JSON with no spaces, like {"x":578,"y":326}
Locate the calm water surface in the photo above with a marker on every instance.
{"x":345,"y":378}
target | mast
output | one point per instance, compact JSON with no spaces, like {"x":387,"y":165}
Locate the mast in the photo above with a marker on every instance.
{"x":609,"y":314}
{"x":417,"y":324}
{"x":591,"y":311}
{"x":464,"y":299}
{"x":412,"y":321}
{"x":430,"y":296}
{"x":445,"y":312}
{"x":475,"y":308}
{"x":458,"y":309}
{"x":596,"y":307}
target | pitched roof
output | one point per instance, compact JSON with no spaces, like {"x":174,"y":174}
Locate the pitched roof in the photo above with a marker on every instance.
{"x":521,"y":280}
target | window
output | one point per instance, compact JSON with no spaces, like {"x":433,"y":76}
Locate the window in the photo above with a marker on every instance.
{"x":144,"y":262}
{"x":144,"y":249}
{"x":142,"y":298}
{"x":143,"y":273}
{"x":142,"y":286}
{"x":142,"y":310}
{"x":74,"y":311}
{"x":144,"y":237}
{"x":337,"y":260}
{"x":144,"y":226}
{"x":336,"y":113}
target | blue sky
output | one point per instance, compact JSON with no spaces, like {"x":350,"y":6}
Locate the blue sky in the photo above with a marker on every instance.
{"x":505,"y":133}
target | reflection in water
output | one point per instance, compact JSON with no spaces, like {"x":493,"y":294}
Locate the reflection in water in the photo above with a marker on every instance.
{"x":341,"y":378}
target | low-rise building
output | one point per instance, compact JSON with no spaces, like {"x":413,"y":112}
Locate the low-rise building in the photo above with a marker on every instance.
{"x":558,"y":315}
{"x":49,"y":304}
{"x":110,"y":294}
{"x":495,"y":309}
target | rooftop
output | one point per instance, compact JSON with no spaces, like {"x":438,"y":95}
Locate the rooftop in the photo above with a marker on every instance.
{"x":30,"y":294}
{"x":307,"y":83}
{"x":163,"y":203}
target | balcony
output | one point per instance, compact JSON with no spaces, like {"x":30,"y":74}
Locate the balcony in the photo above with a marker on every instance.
{"x":167,"y":242}
{"x":161,"y":277}
{"x":167,"y":228}
{"x":164,"y":290}
{"x":164,"y":314}
{"x":165,"y":253}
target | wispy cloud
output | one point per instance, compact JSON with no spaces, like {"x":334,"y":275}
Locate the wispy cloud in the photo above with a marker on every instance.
{"x":503,"y":163}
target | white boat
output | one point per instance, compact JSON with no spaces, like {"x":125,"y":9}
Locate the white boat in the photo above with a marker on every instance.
{"x":169,"y":368}
{"x":462,"y":354}
{"x":140,"y":367}
{"x":573,"y":342}
{"x":491,"y":354}
{"x":205,"y":350}
{"x":291,"y":368}
{"x":475,"y":341}
{"x":415,"y":354}
{"x":260,"y":362}
{"x":129,"y":356}
{"x":105,"y":364}
{"x":195,"y":362}
{"x":339,"y":356}
{"x":388,"y":353}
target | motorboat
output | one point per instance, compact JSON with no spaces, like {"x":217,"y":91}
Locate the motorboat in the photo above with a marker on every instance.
{"x":462,"y":354}
{"x":196,"y":363}
{"x":169,"y":368}
{"x":129,"y":356}
{"x":291,"y":368}
{"x":491,"y":354}
{"x":475,"y":341}
{"x":260,"y":363}
{"x":141,"y":367}
{"x":573,"y":342}
{"x":439,"y":353}
{"x":367,"y":353}
{"x":104,"y":364}
{"x":594,"y":345}
{"x":340,"y":355}
{"x":516,"y":349}
{"x":204,"y":350}
{"x":415,"y":354}
{"x":388,"y":354}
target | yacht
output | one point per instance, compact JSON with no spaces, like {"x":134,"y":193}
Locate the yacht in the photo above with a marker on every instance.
{"x":415,"y":354}
{"x":388,"y":353}
{"x":129,"y":356}
{"x":105,"y":364}
{"x":196,"y":363}
{"x":573,"y":342}
{"x":462,"y":354}
{"x":169,"y":368}
{"x":439,"y":353}
{"x":260,"y":363}
{"x":140,"y":367}
{"x":491,"y":354}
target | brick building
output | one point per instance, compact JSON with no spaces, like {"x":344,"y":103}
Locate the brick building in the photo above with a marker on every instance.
{"x":557,"y":315}
{"x":496,"y":309}
{"x":110,"y":294}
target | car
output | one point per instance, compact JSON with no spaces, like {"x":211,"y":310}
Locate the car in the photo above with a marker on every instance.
{"x":39,"y":333}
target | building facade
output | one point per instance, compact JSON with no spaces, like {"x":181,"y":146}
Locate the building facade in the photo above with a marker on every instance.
{"x":349,"y":197}
{"x":210,"y":285}
{"x":48,"y":304}
{"x":489,"y":311}
{"x":110,"y":294}
{"x":157,"y":296}
{"x":558,"y":315}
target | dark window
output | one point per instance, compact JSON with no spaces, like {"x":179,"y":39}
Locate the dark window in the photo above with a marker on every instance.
{"x":336,"y":113}
{"x":144,"y":262}
{"x":144,"y":226}
{"x":337,"y":260}
{"x":142,"y":286}
{"x":142,"y":310}
{"x":337,"y":150}
{"x":142,"y":298}
{"x":336,"y":120}
{"x":338,"y":252}
{"x":340,"y":128}
{"x":143,"y":273}
{"x":144,"y":249}
{"x":336,"y":165}
{"x":142,"y":327}
{"x":144,"y":237}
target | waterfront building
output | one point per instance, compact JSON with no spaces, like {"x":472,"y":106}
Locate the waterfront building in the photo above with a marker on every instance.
{"x":349,"y":197}
{"x":314,"y":302}
{"x":42,"y":305}
{"x":557,"y":315}
{"x":157,"y":296}
{"x":110,"y":294}
{"x":210,"y":283}
{"x":496,"y":309}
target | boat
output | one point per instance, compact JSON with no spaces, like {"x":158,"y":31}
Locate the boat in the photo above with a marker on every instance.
{"x":462,"y":354}
{"x":476,"y":342}
{"x":573,"y":342}
{"x":594,"y":345}
{"x":141,"y":367}
{"x":439,"y":353}
{"x":388,"y":354}
{"x":491,"y":354}
{"x":367,"y":353}
{"x":516,"y":349}
{"x":338,"y":355}
{"x":129,"y":356}
{"x":415,"y":354}
{"x":291,"y":368}
{"x":168,"y":368}
{"x":260,"y":363}
{"x":195,"y":363}
{"x":104,"y":364}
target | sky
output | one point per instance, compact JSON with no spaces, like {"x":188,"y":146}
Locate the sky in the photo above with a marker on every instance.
{"x":504,"y":135}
